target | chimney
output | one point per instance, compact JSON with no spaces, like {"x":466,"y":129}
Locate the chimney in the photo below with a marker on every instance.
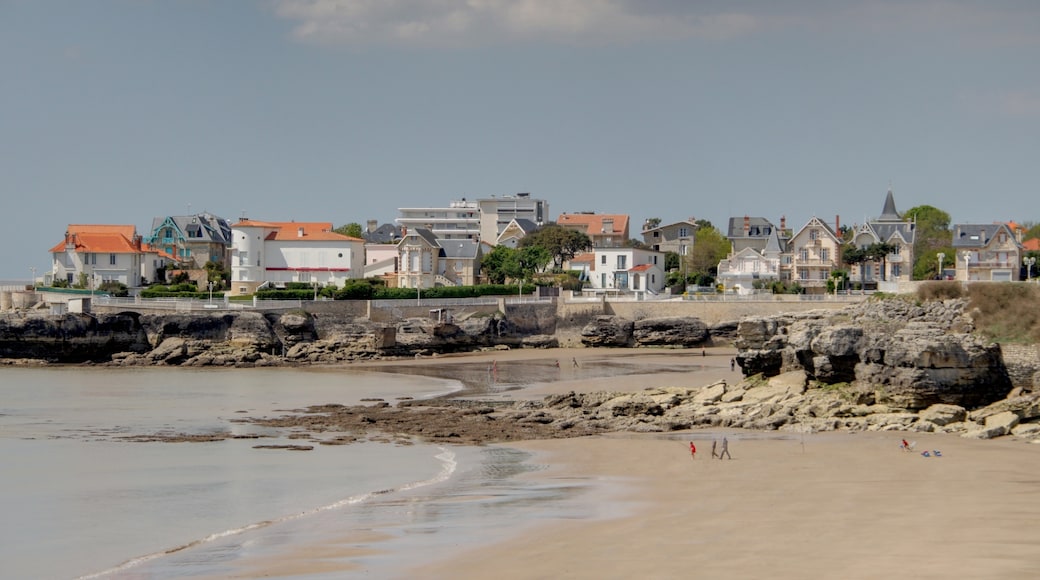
{"x":982,"y":236}
{"x":783,"y":224}
{"x":299,"y":232}
{"x":372,"y":225}
{"x":747,"y":226}
{"x":837,"y":223}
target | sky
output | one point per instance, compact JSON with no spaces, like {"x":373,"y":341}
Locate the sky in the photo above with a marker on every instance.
{"x":119,"y":111}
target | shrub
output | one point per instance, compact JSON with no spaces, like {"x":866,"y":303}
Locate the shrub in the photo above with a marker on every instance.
{"x":1006,"y":312}
{"x":939,"y":290}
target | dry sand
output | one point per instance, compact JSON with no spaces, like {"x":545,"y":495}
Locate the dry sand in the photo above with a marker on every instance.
{"x":834,"y":505}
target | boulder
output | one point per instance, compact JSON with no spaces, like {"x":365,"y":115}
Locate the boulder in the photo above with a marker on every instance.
{"x":677,"y":331}
{"x":941,"y":414}
{"x":607,"y":331}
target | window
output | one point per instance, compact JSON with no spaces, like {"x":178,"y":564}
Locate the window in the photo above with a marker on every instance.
{"x":603,"y":259}
{"x":825,"y":254}
{"x":684,"y":232}
{"x":111,"y":259}
{"x":803,"y":274}
{"x":621,"y":262}
{"x":803,"y":255}
{"x":814,"y":235}
{"x":653,"y":259}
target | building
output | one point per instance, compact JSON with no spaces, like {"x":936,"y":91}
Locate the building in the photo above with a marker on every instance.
{"x":192,"y":240}
{"x":987,"y":252}
{"x":890,"y":228}
{"x":424,"y":261}
{"x":93,"y":254}
{"x":755,"y":233}
{"x":515,"y":231}
{"x":741,"y":270}
{"x":275,"y":253}
{"x":812,"y":254}
{"x":676,"y":237}
{"x":604,"y":230}
{"x":621,"y":269}
{"x":482,"y":220}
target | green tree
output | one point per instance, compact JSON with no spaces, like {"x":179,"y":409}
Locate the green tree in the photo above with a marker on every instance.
{"x":709,"y":248}
{"x":879,"y":253}
{"x":1032,"y":231}
{"x":932,"y":235}
{"x":926,"y":266}
{"x":559,"y":242}
{"x":495,"y":264}
{"x":352,"y":230}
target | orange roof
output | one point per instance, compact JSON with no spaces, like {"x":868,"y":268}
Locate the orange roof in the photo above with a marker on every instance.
{"x":593,"y":223}
{"x":312,"y":231}
{"x":98,"y":243}
{"x":641,"y":268}
{"x":1032,"y":245}
{"x":586,"y":257}
{"x":147,"y":248}
{"x":1014,"y":227}
{"x":126,"y":231}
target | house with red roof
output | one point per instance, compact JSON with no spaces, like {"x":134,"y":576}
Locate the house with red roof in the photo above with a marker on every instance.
{"x":634,"y":270}
{"x":274,"y":253}
{"x":93,"y":254}
{"x":605,"y":230}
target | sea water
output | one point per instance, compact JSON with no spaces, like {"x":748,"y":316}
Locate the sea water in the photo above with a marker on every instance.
{"x":81,"y":499}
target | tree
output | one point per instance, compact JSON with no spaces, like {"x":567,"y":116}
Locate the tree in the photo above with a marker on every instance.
{"x":932,"y":235}
{"x":926,"y":266}
{"x":879,"y":253}
{"x":504,"y":264}
{"x":494,"y":264}
{"x":352,"y":230}
{"x":853,"y":256}
{"x":709,"y":248}
{"x":559,"y":242}
{"x":652,"y":223}
{"x":1031,"y":232}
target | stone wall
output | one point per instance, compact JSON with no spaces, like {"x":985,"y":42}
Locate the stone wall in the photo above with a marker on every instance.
{"x":1023,"y":364}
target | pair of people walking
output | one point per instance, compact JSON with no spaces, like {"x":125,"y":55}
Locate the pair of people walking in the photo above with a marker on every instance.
{"x":722,"y":452}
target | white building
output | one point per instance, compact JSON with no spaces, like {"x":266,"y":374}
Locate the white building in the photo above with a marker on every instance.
{"x":480,"y":220}
{"x":94,"y":254}
{"x":275,"y":253}
{"x":622,"y":269}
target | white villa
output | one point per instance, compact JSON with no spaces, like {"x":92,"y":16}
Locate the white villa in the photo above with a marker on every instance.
{"x":274,"y":253}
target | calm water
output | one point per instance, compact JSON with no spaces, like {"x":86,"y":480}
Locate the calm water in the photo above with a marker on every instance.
{"x":78,"y":500}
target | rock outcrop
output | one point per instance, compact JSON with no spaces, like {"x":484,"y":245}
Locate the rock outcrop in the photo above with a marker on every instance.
{"x":911,"y":356}
{"x":788,"y":402}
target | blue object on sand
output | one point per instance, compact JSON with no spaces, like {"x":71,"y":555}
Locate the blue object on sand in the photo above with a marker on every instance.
{"x":937,"y":453}
{"x":925,"y":453}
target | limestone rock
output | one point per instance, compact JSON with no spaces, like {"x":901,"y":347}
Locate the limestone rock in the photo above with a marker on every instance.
{"x":685,"y":332}
{"x":941,"y":414}
{"x":607,"y":331}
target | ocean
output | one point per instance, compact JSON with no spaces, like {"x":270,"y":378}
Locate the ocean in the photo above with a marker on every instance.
{"x":80,"y":500}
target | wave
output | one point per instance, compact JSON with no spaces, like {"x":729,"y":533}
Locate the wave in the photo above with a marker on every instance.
{"x":448,"y":467}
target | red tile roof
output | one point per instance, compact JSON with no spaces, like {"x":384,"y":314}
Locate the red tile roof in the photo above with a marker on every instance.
{"x":1032,"y":245}
{"x":312,"y":231}
{"x":641,"y":268}
{"x":592,"y":223}
{"x":104,"y":243}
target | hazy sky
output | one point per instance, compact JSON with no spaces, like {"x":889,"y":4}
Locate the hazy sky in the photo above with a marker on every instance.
{"x":116,"y":111}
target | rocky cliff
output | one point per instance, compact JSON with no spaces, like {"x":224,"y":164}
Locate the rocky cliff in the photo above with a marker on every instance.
{"x":897,"y":352}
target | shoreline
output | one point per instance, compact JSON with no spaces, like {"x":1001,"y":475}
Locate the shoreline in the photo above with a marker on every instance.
{"x":790,"y":505}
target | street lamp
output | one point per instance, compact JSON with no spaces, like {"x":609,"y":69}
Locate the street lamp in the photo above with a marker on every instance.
{"x":1028,"y":262}
{"x":941,"y":257}
{"x":210,"y":284}
{"x":967,"y":261}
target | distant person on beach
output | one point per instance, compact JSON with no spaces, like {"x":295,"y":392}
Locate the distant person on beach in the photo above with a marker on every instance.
{"x":732,"y":364}
{"x":703,"y":352}
{"x":714,"y":443}
{"x":725,"y":449}
{"x":575,"y":361}
{"x":693,"y":450}
{"x":557,"y":363}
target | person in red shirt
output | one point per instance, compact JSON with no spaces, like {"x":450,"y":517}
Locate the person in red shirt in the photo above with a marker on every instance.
{"x":693,"y":450}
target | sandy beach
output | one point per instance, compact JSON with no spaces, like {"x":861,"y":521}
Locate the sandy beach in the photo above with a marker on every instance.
{"x":788,"y":505}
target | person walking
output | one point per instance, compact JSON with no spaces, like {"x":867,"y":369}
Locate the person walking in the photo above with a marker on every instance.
{"x":693,"y":451}
{"x":732,"y":364}
{"x":725,"y":449}
{"x":574,"y":361}
{"x":714,"y":443}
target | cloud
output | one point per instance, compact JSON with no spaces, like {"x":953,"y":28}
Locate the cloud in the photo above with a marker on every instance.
{"x":480,"y":22}
{"x":465,"y":23}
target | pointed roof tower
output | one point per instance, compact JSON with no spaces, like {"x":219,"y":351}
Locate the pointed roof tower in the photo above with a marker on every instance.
{"x":889,"y":213}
